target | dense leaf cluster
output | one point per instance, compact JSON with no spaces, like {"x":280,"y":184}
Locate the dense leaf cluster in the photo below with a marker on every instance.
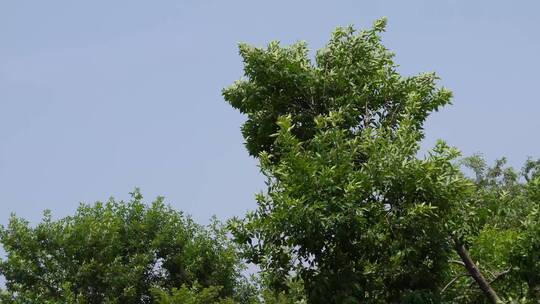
{"x":350,"y":209}
{"x":114,"y":252}
{"x":354,"y":74}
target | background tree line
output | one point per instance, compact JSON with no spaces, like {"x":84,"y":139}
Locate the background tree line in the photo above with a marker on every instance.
{"x":351,"y":213}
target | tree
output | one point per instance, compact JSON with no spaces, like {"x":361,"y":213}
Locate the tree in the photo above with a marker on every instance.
{"x":194,"y":295}
{"x":115,"y":252}
{"x":502,"y":230}
{"x":350,"y":209}
{"x":525,"y":255}
{"x":351,"y":214}
{"x":354,"y":74}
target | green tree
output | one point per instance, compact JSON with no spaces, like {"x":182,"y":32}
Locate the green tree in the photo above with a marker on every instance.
{"x":354,"y":74}
{"x":525,"y":256}
{"x":503,"y":235}
{"x":349,"y":209}
{"x":114,"y":252}
{"x":193,"y":295}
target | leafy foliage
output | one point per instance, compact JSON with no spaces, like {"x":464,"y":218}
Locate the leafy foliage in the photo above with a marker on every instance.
{"x":354,"y":75}
{"x":114,"y":252}
{"x":349,"y":207}
{"x":194,"y":295}
{"x":351,"y":213}
{"x":502,"y":220}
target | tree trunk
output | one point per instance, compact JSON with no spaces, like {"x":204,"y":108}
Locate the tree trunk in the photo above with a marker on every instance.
{"x":475,"y":272}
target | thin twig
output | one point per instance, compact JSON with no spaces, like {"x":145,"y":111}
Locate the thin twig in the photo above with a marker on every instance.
{"x":500,"y":275}
{"x":457,"y":262}
{"x":453,"y":281}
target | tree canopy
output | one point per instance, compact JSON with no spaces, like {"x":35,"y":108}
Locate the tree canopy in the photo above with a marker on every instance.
{"x":114,"y":252}
{"x":349,"y":208}
{"x":352,"y":212}
{"x":354,"y":74}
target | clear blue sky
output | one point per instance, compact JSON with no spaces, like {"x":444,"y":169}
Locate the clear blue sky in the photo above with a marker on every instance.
{"x":98,"y":97}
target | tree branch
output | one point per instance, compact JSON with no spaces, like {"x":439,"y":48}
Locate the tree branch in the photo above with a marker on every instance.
{"x":500,"y":275}
{"x":453,"y":281}
{"x":457,"y":262}
{"x":475,"y":272}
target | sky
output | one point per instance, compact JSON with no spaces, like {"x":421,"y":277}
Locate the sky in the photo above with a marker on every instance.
{"x":99,"y":97}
